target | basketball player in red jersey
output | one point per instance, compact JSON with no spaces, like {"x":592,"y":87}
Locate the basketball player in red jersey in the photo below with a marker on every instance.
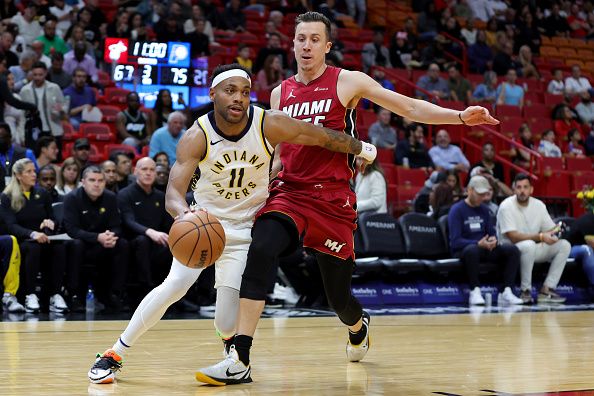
{"x":312,"y":198}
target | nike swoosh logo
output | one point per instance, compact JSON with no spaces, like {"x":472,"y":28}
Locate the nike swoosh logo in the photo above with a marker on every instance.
{"x":137,"y":203}
{"x":84,"y":211}
{"x":218,"y":141}
{"x":230,"y":374}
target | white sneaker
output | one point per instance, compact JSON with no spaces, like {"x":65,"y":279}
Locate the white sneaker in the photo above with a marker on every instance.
{"x":508,"y":298}
{"x":227,"y":372}
{"x":476,"y":297}
{"x":31,"y":303}
{"x":11,"y":304}
{"x":57,"y":304}
{"x":356,"y":353}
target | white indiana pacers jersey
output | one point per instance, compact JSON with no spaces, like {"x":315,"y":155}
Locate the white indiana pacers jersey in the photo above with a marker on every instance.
{"x":234,"y":173}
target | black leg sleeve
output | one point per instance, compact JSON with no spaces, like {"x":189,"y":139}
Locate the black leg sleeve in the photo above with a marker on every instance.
{"x":337,"y":275}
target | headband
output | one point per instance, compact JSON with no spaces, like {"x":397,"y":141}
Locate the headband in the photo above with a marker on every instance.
{"x":228,"y":74}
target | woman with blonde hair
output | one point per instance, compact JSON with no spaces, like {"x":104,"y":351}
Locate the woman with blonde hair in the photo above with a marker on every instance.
{"x":27,"y":211}
{"x":69,"y":175}
{"x":528,"y":68}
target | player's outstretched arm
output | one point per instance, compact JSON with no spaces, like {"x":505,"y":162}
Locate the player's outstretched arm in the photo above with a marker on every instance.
{"x":279,"y":127}
{"x":190,"y":150}
{"x":353,"y":84}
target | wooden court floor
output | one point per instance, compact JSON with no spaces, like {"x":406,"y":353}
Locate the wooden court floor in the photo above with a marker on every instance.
{"x":468,"y":354}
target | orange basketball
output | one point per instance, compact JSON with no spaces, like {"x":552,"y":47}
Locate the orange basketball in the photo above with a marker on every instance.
{"x":197,"y":239}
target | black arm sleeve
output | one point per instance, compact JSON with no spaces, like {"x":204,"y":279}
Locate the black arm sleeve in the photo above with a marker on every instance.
{"x":72,"y":221}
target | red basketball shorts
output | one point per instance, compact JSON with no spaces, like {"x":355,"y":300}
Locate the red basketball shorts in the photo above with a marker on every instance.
{"x":324,"y":214}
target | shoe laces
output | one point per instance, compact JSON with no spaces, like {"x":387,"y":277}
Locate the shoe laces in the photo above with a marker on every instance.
{"x":107,"y":362}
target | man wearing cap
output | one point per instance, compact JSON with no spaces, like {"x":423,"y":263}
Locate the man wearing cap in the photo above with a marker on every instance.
{"x":472,"y":239}
{"x":524,"y":221}
{"x":80,"y":152}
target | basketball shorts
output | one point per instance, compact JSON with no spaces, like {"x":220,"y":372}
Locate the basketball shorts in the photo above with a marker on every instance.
{"x":325,"y":214}
{"x":229,"y":267}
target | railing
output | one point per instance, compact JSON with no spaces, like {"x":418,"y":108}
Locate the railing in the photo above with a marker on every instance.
{"x":394,"y":76}
{"x":464,"y":61}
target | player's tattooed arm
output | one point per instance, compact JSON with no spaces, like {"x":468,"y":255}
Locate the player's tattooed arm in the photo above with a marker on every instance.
{"x":278,"y":127}
{"x":190,"y":150}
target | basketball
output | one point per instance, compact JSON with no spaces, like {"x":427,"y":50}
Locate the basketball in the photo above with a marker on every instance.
{"x":197,"y":239}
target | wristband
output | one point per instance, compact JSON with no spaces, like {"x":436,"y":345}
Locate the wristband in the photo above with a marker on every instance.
{"x":460,"y":117}
{"x":368,"y":152}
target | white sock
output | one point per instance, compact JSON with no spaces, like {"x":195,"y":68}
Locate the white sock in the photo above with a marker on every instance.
{"x":153,"y":306}
{"x":120,"y":348}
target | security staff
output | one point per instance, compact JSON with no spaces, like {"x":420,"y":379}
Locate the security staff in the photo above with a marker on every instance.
{"x":92,"y":219}
{"x":146,"y":223}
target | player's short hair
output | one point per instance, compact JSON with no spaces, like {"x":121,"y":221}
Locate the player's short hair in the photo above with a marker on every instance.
{"x":313,"y":16}
{"x":223,"y":68}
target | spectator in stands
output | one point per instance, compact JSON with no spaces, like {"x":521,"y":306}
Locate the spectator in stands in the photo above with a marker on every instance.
{"x":146,"y":223}
{"x":337,"y":50}
{"x":97,"y":16}
{"x":528,"y":33}
{"x":522,"y":157}
{"x":123,"y":163}
{"x":166,"y":138}
{"x":270,"y":27}
{"x":508,"y":92}
{"x":357,"y":9}
{"x":379,"y":75}
{"x":63,"y":13}
{"x":169,"y":29}
{"x":163,"y":107}
{"x":119,"y":25}
{"x":82,"y":98}
{"x":381,"y":133}
{"x":51,"y":42}
{"x":585,"y":108}
{"x":446,"y":156}
{"x":26,"y":21}
{"x":453,"y":180}
{"x":576,"y":84}
{"x":271,"y":75}
{"x":78,"y":58}
{"x":92,"y":219}
{"x":80,"y":152}
{"x":473,"y":239}
{"x":493,"y":168}
{"x":469,"y":32}
{"x":427,"y":22}
{"x":575,"y":148}
{"x":77,"y":34}
{"x":412,"y":150}
{"x":524,"y":221}
{"x":555,"y":24}
{"x":22,"y":70}
{"x":566,"y":123}
{"x":433,"y":83}
{"x":375,"y":53}
{"x":487,"y":90}
{"x":273,"y":47}
{"x":131,"y":124}
{"x":69,"y":175}
{"x":233,"y":17}
{"x":10,"y":153}
{"x":243,"y":56}
{"x":37,"y":48}
{"x":527,"y":67}
{"x":56,"y":73}
{"x":460,"y":88}
{"x":49,"y":100}
{"x":547,"y":146}
{"x":577,"y":24}
{"x":137,"y":27}
{"x":47,"y":182}
{"x":441,"y":199}
{"x":161,"y":158}
{"x":190,"y":24}
{"x":590,"y":143}
{"x":14,"y":117}
{"x":6,"y":42}
{"x":436,"y":52}
{"x":27,"y":210}
{"x":400,"y":50}
{"x":162,"y":177}
{"x":581,"y":237}
{"x":556,"y":85}
{"x":199,"y":41}
{"x":108,"y":168}
{"x":503,"y":61}
{"x":46,"y":151}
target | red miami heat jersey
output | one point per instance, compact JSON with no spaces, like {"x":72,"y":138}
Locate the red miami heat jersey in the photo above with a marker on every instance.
{"x":317,"y":103}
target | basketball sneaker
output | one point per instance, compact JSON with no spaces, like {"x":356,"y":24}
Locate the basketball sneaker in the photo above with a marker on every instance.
{"x":31,"y":303}
{"x":105,"y":367}
{"x":356,"y":353}
{"x":57,"y":304}
{"x":508,"y":298}
{"x":475,"y":297}
{"x":10,"y":304}
{"x":230,"y":371}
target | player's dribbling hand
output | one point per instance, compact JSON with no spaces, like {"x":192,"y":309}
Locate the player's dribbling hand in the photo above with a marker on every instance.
{"x":477,"y":115}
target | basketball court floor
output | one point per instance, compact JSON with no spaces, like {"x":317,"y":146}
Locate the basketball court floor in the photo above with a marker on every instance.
{"x":489,"y":351}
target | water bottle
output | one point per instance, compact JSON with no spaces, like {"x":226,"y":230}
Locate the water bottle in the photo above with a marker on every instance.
{"x":90,"y":301}
{"x":488,"y":299}
{"x":405,"y":162}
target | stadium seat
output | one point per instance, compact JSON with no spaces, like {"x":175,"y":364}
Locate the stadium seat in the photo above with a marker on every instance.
{"x":581,"y":180}
{"x":385,"y":156}
{"x":70,"y":134}
{"x":508,"y":111}
{"x":533,"y":98}
{"x":115,"y":96}
{"x":390,"y":173}
{"x":511,"y":126}
{"x":109,"y":112}
{"x":555,"y":185}
{"x":110,"y":148}
{"x":412,"y":177}
{"x":578,"y":164}
{"x":551,"y":163}
{"x":536,"y":111}
{"x":552,"y":100}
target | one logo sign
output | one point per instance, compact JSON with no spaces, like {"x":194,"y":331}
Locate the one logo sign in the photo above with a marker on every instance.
{"x":333,"y":245}
{"x":116,"y":50}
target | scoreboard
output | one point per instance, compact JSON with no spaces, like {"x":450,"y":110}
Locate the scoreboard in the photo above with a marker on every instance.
{"x":147,"y":67}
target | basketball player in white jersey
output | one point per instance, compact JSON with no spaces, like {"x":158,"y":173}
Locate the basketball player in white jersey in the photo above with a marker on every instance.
{"x":232,"y":146}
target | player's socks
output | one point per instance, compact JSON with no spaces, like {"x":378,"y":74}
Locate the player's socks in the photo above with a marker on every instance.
{"x":120,"y":347}
{"x":243,"y":343}
{"x":357,"y":338}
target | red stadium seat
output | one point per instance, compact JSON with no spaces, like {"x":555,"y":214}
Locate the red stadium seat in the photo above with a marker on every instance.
{"x":536,"y":111}
{"x":111,"y":148}
{"x":555,"y":185}
{"x":578,"y":164}
{"x":97,"y":132}
{"x":70,"y":134}
{"x":109,"y":112}
{"x":145,"y":151}
{"x":552,"y":163}
{"x":508,"y":111}
{"x":412,"y":177}
{"x":552,"y":100}
{"x":532,"y":98}
{"x":365,"y":118}
{"x":539,"y":125}
{"x":385,"y":156}
{"x":511,"y":126}
{"x":581,"y":180}
{"x":390,"y":173}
